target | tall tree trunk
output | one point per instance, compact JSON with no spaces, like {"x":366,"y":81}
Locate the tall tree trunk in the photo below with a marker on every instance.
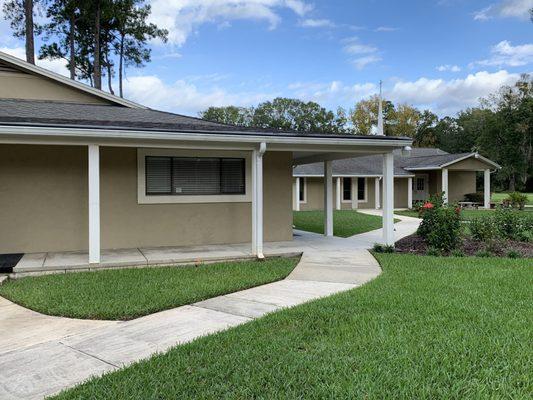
{"x":28,"y":18}
{"x":121,"y":66}
{"x":97,"y":56}
{"x":72,"y":61}
{"x":512,"y":183}
{"x":109,"y":72}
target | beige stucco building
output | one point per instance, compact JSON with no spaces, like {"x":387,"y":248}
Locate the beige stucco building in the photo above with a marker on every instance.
{"x":83,"y":170}
{"x":418,"y":174}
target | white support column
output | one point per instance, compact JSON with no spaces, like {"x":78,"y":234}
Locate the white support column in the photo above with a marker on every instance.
{"x":486,"y":189}
{"x":338,"y":194}
{"x":409,"y":192}
{"x":328,"y":198}
{"x":94,"y":204}
{"x":257,"y":201}
{"x":297,"y":195}
{"x":377,"y":194}
{"x":355,"y":191}
{"x":445,"y":185}
{"x":388,"y":199}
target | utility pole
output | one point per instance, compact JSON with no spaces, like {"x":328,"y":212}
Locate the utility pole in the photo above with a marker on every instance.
{"x":380,"y":112}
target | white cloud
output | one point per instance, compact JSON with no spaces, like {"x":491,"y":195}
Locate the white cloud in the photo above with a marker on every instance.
{"x":183,"y":17}
{"x":385,"y":29}
{"x":505,"y":9}
{"x":365,"y":54}
{"x":185,"y":97}
{"x":447,"y":67}
{"x":317,"y":23}
{"x":362,"y":62}
{"x":57,"y":66}
{"x":331,"y":94}
{"x":450,"y":96}
{"x":505,"y":54}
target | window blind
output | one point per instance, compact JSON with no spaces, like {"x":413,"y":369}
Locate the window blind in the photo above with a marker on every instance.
{"x":194,"y":176}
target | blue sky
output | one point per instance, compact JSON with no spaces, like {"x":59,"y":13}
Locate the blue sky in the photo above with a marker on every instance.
{"x":441,"y":55}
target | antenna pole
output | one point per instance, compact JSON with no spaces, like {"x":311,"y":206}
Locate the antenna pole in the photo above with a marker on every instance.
{"x":380,"y":111}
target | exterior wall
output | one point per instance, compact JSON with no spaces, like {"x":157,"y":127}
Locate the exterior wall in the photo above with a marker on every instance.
{"x":461,"y":183}
{"x":21,"y":85}
{"x":315,"y":194}
{"x":43,"y":204}
{"x":470,"y":164}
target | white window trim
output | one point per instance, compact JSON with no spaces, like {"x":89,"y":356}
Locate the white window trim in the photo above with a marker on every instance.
{"x":303,"y":181}
{"x":143,"y":198}
{"x":365,"y":200}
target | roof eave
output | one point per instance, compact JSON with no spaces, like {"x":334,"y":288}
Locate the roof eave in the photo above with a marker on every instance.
{"x":34,"y":69}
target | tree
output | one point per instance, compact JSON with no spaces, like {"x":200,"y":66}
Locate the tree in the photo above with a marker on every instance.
{"x":426,"y":135}
{"x":20,"y":15}
{"x":365,"y":115}
{"x":508,"y":135}
{"x":240,"y":116}
{"x":281,"y":114}
{"x":133,"y":33}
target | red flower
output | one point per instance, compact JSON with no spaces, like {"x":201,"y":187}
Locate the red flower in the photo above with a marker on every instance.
{"x":428,"y":205}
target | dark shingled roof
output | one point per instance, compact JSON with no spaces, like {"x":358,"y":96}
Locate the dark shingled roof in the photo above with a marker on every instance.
{"x":373,"y":165}
{"x":62,"y":114}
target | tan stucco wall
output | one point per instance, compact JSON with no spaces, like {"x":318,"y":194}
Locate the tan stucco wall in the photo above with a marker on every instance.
{"x":20,"y":85}
{"x":461,"y":183}
{"x":315,"y":194}
{"x":43,"y":204}
{"x":470,"y":164}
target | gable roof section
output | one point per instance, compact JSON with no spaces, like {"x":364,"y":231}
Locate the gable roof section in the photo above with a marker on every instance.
{"x":12,"y":62}
{"x":424,"y":158}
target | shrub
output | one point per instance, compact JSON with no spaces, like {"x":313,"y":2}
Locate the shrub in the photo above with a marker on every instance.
{"x":477,"y":197}
{"x":432,"y":251}
{"x":483,"y":253}
{"x":383,"y":248}
{"x":457,"y":253}
{"x":513,"y":254}
{"x":516,"y":200}
{"x":512,"y":224}
{"x":441,"y":228}
{"x":483,"y":228}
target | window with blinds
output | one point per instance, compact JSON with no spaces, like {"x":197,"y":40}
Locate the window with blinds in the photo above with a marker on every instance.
{"x":194,"y":175}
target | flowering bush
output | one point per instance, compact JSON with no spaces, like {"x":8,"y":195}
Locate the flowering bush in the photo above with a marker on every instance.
{"x":441,"y":227}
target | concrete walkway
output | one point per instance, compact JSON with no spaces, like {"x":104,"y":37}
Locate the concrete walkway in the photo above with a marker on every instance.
{"x":41,"y":355}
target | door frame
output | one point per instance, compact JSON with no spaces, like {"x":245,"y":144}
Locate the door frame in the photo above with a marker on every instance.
{"x":417,"y":196}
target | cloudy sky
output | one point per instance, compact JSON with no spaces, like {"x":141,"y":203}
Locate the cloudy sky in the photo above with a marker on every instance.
{"x":436,"y":54}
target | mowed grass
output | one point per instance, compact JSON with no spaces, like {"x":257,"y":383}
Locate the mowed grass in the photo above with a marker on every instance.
{"x":427,"y":328}
{"x":123,"y":294}
{"x":346,"y":223}
{"x":499,"y":197}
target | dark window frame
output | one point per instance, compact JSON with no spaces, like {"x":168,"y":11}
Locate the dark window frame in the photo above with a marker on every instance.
{"x":361,"y":188}
{"x":172,"y":188}
{"x":301,"y":194}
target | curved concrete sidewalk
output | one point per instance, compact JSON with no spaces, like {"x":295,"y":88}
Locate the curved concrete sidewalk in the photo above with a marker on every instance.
{"x":41,"y":355}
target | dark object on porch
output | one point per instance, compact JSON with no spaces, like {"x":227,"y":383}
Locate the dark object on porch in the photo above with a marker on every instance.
{"x":8,"y":261}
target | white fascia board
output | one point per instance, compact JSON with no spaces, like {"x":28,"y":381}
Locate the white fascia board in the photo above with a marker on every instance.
{"x":34,"y":69}
{"x":18,"y":132}
{"x":349,"y":176}
{"x":422,"y":168}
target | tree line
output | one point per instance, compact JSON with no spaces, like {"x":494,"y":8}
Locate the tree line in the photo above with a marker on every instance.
{"x":97,"y":38}
{"x":500,"y":127}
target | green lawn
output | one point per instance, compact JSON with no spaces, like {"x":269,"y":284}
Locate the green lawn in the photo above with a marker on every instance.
{"x":427,"y":328}
{"x":346,"y":223}
{"x":129,"y":293}
{"x":499,"y":197}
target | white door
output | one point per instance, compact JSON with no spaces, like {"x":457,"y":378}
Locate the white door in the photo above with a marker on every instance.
{"x":420,"y":187}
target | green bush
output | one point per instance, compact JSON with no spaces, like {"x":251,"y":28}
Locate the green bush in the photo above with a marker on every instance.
{"x":477,"y":197}
{"x":432,"y":251}
{"x":383,"y":248}
{"x":513,"y":254}
{"x":512,"y":224}
{"x":483,"y":228}
{"x":441,"y":228}
{"x":483,"y":253}
{"x":457,"y":253}
{"x":516,"y":200}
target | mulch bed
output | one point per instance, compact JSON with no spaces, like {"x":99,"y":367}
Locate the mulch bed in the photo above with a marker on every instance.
{"x":415,"y":244}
